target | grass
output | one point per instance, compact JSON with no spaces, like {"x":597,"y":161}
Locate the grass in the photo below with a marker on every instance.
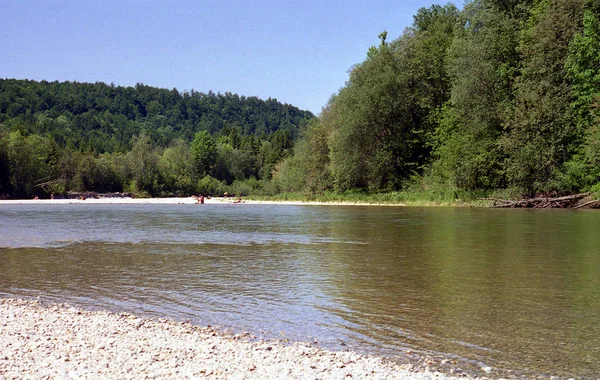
{"x":405,"y":197}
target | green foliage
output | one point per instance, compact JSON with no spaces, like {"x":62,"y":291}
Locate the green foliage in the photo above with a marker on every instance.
{"x":583,"y":69}
{"x":142,"y":166}
{"x":502,"y":97}
{"x":595,"y":190}
{"x":482,"y":67}
{"x":27,"y":163}
{"x":380,"y":123}
{"x":573,"y":177}
{"x":137,"y":139}
{"x":541,"y":127}
{"x":364,"y":139}
{"x":176,"y":167}
{"x":583,"y":63}
{"x":289,"y":176}
{"x":104,"y":118}
{"x":409,"y":196}
{"x":208,"y":185}
{"x":246,"y":187}
{"x":98,"y":173}
{"x":204,"y":152}
{"x":307,"y":170}
{"x":5,"y":186}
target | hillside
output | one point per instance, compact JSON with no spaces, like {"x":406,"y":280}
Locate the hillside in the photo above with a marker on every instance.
{"x":104,"y":117}
{"x":63,"y":136}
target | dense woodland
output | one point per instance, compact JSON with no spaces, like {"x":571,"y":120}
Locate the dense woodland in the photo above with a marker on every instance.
{"x":61,"y":137}
{"x":501,"y":96}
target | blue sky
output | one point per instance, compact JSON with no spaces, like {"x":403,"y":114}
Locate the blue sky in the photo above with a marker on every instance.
{"x":298,"y":52}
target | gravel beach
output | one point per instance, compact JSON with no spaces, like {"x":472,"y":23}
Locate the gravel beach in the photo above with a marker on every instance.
{"x":61,"y":342}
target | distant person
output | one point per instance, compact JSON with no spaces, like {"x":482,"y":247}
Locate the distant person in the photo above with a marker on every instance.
{"x":51,"y":196}
{"x":35,"y":198}
{"x":201,"y":199}
{"x":239,"y":200}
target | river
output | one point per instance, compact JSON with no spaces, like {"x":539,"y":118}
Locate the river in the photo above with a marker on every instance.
{"x":515,"y":290}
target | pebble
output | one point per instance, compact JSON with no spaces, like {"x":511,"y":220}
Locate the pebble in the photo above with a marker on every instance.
{"x":93,"y":344}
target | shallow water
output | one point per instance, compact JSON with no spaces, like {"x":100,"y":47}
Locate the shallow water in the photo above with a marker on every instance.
{"x":517,"y":290}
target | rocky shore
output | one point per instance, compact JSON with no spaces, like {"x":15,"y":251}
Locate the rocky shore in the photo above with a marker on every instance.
{"x":58,"y":341}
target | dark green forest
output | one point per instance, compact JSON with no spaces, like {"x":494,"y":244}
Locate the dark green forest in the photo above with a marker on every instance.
{"x":60,"y":137}
{"x":496,"y":97}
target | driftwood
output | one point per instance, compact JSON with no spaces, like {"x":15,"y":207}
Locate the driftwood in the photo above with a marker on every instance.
{"x":569,"y":201}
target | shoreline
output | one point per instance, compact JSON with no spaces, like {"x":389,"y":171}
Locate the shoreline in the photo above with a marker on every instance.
{"x":533,"y":203}
{"x":47,"y":341}
{"x":185,"y":200}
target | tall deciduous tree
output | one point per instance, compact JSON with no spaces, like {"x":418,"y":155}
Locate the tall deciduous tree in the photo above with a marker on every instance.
{"x":307,"y":170}
{"x":541,"y":127}
{"x":204,"y":152}
{"x":177,"y":168}
{"x":142,"y":162}
{"x":381,"y":122}
{"x":27,"y":158}
{"x":375,"y":133}
{"x":483,"y":62}
{"x":5,"y":187}
{"x":583,"y":69}
{"x":365,"y":142}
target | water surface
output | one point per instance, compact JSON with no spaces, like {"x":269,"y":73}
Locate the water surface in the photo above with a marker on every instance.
{"x":517,"y":290}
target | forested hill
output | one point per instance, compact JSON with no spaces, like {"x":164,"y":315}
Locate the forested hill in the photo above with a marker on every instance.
{"x":64,"y":136}
{"x":104,"y":118}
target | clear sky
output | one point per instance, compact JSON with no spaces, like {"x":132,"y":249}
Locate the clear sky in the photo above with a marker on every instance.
{"x":298,"y":52}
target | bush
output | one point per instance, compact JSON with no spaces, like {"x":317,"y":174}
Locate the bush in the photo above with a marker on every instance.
{"x":210,"y":186}
{"x":250,"y":186}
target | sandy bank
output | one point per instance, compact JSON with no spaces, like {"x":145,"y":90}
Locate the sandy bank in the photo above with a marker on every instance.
{"x":124,"y":200}
{"x":175,"y":201}
{"x":57,"y":341}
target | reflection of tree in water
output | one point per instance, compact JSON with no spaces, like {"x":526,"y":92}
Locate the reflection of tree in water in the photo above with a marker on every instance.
{"x":509,"y":289}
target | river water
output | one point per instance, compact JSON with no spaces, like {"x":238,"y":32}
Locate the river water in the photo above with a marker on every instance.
{"x":515,"y":290}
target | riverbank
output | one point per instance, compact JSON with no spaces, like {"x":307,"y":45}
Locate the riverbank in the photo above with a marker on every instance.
{"x":58,"y":341}
{"x":186,"y":200}
{"x":574,"y":201}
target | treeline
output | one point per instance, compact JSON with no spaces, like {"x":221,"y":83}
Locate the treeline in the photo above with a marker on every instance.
{"x":67,"y":136}
{"x":503,"y":94}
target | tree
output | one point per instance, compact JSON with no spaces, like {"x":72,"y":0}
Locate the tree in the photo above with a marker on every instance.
{"x":27,"y":159}
{"x":381,"y":121}
{"x":483,"y":64}
{"x":583,"y":70}
{"x":307,"y":170}
{"x":204,"y":151}
{"x":142,"y":162}
{"x":368,"y":144}
{"x":5,"y":187}
{"x":177,"y":168}
{"x":542,"y":133}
